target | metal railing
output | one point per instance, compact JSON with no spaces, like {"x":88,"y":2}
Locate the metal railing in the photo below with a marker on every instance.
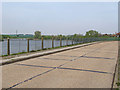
{"x":13,"y":46}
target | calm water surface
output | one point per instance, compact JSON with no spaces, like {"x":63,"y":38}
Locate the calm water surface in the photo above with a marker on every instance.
{"x":20,"y":45}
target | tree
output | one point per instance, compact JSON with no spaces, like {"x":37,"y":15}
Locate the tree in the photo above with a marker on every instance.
{"x":92,"y":33}
{"x":37,"y":35}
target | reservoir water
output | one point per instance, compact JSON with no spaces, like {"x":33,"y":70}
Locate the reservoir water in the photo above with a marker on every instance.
{"x":20,"y":45}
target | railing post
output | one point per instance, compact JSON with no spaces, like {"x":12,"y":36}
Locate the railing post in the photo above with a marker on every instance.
{"x":84,"y":39}
{"x":8,"y":46}
{"x":79,"y":40}
{"x":42,"y":43}
{"x":67,"y":42}
{"x":52,"y":42}
{"x":72,"y":41}
{"x":60,"y":41}
{"x":28,"y":45}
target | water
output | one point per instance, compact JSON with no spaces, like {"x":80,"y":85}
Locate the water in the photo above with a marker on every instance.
{"x":20,"y":45}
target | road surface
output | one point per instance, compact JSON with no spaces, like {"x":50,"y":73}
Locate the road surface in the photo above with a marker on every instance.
{"x":85,"y":67}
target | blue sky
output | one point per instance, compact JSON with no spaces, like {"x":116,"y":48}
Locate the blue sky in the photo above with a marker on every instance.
{"x":59,"y":17}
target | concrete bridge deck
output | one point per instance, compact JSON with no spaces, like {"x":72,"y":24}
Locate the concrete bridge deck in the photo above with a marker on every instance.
{"x":85,"y":67}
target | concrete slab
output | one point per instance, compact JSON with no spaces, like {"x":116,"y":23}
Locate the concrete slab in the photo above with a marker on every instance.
{"x":57,"y":57}
{"x":94,"y":46}
{"x":13,"y":74}
{"x":104,"y":51}
{"x":71,"y":53}
{"x":103,"y":65}
{"x":93,"y":70}
{"x":69,"y":79}
{"x":43,"y":62}
{"x":82,"y":50}
{"x":104,"y":55}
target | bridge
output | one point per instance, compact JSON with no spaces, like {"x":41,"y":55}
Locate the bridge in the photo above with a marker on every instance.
{"x":91,"y":66}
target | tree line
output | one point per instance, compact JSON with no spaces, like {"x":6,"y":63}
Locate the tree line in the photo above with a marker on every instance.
{"x":37,"y":35}
{"x":90,"y":33}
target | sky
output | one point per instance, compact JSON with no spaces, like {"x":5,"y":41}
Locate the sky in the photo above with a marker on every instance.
{"x":53,"y":18}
